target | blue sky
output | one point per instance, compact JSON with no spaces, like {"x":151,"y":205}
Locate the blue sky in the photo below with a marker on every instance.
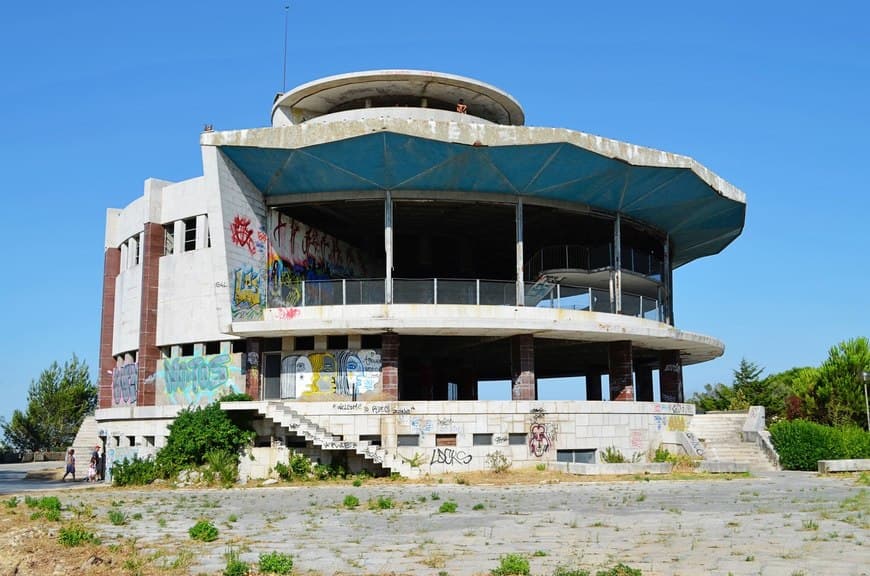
{"x":773,"y":97}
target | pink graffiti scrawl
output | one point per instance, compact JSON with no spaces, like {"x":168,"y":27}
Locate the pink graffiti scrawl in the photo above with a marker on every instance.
{"x":243,"y":234}
{"x":539,"y":442}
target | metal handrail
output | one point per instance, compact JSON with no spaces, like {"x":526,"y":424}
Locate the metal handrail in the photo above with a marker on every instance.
{"x":474,"y":292}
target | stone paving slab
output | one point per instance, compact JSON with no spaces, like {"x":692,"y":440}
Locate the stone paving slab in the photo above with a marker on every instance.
{"x":785,"y":523}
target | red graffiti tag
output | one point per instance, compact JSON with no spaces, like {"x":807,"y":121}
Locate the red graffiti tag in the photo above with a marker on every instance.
{"x":242,"y":234}
{"x":287,"y":313}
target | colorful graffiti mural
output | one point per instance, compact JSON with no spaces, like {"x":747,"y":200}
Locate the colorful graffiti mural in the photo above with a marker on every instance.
{"x":197,"y":380}
{"x":343,"y":372}
{"x":125,"y":384}
{"x":247,"y":296}
{"x":298,"y":253}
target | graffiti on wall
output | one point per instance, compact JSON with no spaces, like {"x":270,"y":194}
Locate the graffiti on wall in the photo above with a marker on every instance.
{"x":342,"y":372}
{"x":125,"y":383}
{"x":196,"y":380}
{"x":449,"y":456}
{"x":298,"y":252}
{"x":243,"y":234}
{"x":542,"y":433}
{"x":247,"y":295}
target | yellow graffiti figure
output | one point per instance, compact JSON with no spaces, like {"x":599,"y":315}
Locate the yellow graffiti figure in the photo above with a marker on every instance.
{"x":247,"y":288}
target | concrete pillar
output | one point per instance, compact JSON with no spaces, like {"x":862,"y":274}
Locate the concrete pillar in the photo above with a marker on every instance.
{"x":390,"y":366}
{"x":621,"y":385}
{"x":111,"y":269}
{"x":468,"y":383}
{"x":671,"y":376}
{"x":524,"y":386}
{"x":617,"y":265}
{"x":644,"y":379}
{"x":151,"y":250}
{"x":667,"y":283}
{"x":254,"y":360}
{"x":593,"y":385}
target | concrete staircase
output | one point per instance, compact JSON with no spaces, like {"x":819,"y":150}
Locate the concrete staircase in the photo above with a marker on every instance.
{"x":722,"y":436}
{"x":87,"y":437}
{"x":322,"y":438}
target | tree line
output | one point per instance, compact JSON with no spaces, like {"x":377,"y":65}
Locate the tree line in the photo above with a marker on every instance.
{"x":830,"y":394}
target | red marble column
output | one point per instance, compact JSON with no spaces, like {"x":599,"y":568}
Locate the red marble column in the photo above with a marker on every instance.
{"x":644,"y":379}
{"x":593,"y":385}
{"x":523,"y":367}
{"x":149,"y":354}
{"x":621,"y":382}
{"x":390,"y":366}
{"x":111,"y":269}
{"x":671,"y":376}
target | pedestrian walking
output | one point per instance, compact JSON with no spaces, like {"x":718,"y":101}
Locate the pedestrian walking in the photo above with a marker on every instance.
{"x":70,"y":465}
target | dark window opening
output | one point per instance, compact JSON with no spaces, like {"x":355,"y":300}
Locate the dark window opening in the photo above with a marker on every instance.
{"x":370,"y":341}
{"x":336,"y":342}
{"x":187,"y":349}
{"x":239,"y":346}
{"x":408,"y":440}
{"x":482,"y":440}
{"x":271,"y":345}
{"x":294,"y":441}
{"x":132,"y":440}
{"x":212,"y":348}
{"x":189,"y":234}
{"x":373,"y":439}
{"x":580,"y":456}
{"x":304,"y":343}
{"x":517,"y":439}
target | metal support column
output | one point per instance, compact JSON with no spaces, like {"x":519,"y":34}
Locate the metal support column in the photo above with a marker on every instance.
{"x":617,"y":264}
{"x":521,"y":290}
{"x":667,"y":303}
{"x":388,"y":247}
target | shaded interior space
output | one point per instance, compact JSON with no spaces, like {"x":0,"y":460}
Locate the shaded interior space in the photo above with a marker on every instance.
{"x":480,"y":368}
{"x":464,"y":240}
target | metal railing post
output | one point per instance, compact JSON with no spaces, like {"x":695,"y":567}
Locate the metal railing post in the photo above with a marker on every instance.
{"x":477,"y":295}
{"x":303,"y":293}
{"x":435,"y":290}
{"x":343,"y":292}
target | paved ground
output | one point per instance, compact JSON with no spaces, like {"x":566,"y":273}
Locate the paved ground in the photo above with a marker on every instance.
{"x":786,"y":523}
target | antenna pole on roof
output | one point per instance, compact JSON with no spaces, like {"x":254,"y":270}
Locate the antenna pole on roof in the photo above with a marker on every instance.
{"x":284,"y":67}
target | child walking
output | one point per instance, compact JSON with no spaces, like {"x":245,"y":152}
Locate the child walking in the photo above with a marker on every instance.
{"x":70,"y":465}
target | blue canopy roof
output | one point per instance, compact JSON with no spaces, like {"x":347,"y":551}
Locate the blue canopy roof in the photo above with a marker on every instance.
{"x":699,"y":220}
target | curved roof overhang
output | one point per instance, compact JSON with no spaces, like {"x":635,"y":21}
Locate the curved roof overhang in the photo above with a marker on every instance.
{"x":701,"y":212}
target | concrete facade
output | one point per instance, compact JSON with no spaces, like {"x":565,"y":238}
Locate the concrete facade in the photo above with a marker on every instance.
{"x":360,"y":266}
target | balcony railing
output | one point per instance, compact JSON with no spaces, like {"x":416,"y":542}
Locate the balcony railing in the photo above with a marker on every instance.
{"x":474,"y":292}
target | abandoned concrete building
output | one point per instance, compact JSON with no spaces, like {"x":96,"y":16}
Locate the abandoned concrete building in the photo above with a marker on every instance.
{"x":393,"y":241}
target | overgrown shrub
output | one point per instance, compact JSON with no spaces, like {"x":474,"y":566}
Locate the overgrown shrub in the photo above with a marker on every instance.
{"x":498,"y":462}
{"x":235,"y":397}
{"x":221,"y":467}
{"x":351,"y":501}
{"x":300,"y":465}
{"x":802,"y":444}
{"x":197,"y":432}
{"x":76,"y":535}
{"x":276,"y":563}
{"x":512,"y":565}
{"x":204,"y":531}
{"x":235,"y":565}
{"x":447,"y":507}
{"x":661,"y":454}
{"x":620,"y":570}
{"x":134,"y":472}
{"x":612,"y":455}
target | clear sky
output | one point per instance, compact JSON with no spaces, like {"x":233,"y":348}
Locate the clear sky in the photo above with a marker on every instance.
{"x":772,"y":96}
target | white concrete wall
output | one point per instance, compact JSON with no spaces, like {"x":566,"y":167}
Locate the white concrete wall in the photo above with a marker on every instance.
{"x":186,"y":299}
{"x":128,"y":299}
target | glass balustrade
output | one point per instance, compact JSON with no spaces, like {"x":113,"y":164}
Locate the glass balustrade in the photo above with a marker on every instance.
{"x":474,"y":292}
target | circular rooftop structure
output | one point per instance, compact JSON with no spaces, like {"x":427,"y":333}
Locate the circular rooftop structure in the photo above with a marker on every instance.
{"x":395,"y":88}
